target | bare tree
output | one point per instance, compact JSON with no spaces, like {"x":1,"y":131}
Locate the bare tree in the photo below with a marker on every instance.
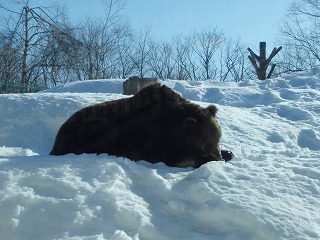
{"x":46,"y":50}
{"x":60,"y":58}
{"x":142,"y":52}
{"x":301,"y":35}
{"x":124,"y":53}
{"x":205,"y":43}
{"x":99,"y":54}
{"x":181,"y":58}
{"x":93,"y":50}
{"x":233,"y":62}
{"x":113,"y":9}
{"x":33,"y":28}
{"x":9,"y":63}
{"x":161,"y":60}
{"x":294,"y":59}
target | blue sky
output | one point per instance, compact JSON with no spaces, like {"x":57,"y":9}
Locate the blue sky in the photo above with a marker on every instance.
{"x":250,"y":20}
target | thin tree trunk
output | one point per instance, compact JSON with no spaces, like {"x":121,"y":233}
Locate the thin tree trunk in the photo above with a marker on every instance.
{"x":25,"y":51}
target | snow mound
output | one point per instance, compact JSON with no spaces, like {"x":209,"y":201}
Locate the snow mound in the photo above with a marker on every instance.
{"x":90,"y":86}
{"x":269,"y":191}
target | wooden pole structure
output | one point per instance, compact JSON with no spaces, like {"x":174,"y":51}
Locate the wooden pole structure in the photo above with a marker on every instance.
{"x":263,"y":61}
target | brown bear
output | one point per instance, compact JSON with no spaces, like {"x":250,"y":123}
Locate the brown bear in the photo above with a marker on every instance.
{"x":155,"y":125}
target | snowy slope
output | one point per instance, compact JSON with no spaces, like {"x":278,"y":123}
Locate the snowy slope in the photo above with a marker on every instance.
{"x":271,"y":190}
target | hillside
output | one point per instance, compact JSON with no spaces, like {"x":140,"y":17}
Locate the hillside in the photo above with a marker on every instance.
{"x":271,"y":189}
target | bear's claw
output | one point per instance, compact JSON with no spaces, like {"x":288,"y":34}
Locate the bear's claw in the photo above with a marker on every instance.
{"x":227,"y":155}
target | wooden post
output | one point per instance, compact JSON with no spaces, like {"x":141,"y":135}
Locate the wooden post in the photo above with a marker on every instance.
{"x":263,"y":61}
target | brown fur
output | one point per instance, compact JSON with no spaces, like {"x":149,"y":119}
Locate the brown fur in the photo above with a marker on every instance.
{"x":156,"y":125}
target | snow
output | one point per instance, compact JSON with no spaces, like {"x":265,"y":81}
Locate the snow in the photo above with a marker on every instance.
{"x":270,"y":190}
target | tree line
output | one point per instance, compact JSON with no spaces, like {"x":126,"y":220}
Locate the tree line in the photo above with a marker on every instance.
{"x":40,"y":48}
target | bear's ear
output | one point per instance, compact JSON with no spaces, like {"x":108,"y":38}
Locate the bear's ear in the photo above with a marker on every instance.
{"x":212,"y":110}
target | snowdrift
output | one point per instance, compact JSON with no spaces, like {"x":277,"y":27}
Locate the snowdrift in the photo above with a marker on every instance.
{"x":271,"y":190}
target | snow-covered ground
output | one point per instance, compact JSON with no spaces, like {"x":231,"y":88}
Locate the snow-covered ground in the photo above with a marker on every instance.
{"x":271,"y":189}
